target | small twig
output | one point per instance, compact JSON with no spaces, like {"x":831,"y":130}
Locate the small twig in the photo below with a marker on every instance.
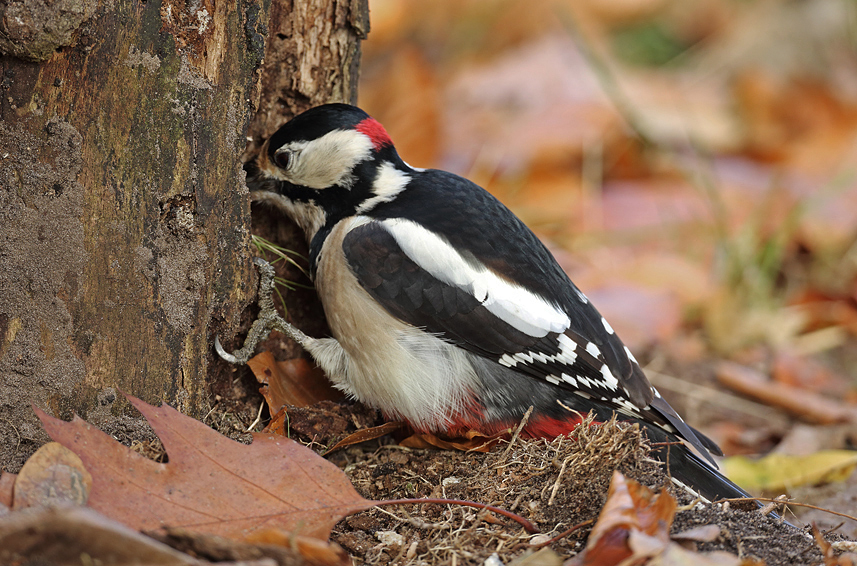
{"x":770,"y":507}
{"x":563,"y":534}
{"x":7,"y":421}
{"x":692,"y":505}
{"x":558,"y":479}
{"x":258,"y":418}
{"x":518,"y":430}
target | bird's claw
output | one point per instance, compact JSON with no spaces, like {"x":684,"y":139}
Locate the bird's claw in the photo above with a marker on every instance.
{"x":267,"y":320}
{"x":218,"y":347}
{"x":262,"y":325}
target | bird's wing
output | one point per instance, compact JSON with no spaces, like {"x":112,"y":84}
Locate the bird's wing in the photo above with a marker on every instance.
{"x":418,"y":277}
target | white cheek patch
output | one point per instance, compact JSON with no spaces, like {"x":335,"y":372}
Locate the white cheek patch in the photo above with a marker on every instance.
{"x":328,"y":160}
{"x":387,"y":184}
{"x":525,"y":311}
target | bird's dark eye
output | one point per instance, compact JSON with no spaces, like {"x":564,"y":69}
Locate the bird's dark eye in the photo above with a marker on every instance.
{"x":283,"y":158}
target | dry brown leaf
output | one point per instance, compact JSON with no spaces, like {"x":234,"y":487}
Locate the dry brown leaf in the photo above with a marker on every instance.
{"x":278,"y":424}
{"x":53,"y":476}
{"x":468,"y":441}
{"x":796,"y":400}
{"x":284,"y":548}
{"x":7,"y":486}
{"x":703,"y":533}
{"x":634,"y":524}
{"x":365,"y":434}
{"x":805,"y":372}
{"x":291,"y":382}
{"x":802,"y":123}
{"x":313,"y":550}
{"x":824,"y":546}
{"x":211,"y":484}
{"x":675,"y":555}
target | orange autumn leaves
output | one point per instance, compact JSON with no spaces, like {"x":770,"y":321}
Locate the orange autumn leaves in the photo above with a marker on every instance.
{"x":634,"y":529}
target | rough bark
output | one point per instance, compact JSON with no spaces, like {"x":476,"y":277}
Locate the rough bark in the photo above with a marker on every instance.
{"x":312,"y":57}
{"x":124,"y":221}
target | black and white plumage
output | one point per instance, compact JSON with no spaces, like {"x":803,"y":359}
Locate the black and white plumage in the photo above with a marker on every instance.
{"x":446,"y":310}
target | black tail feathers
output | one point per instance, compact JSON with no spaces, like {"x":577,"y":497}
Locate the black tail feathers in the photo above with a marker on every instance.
{"x":689,"y":470}
{"x":692,"y":473}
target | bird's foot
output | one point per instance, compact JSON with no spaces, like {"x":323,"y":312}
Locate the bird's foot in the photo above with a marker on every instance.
{"x":268,"y":319}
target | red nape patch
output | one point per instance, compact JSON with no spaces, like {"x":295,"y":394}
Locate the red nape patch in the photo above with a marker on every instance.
{"x":375,"y":131}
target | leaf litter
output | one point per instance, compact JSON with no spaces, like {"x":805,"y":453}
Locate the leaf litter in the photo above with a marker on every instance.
{"x":275,"y":488}
{"x":558,"y":485}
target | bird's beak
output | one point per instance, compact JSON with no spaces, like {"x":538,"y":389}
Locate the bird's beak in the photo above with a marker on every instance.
{"x":255,"y":180}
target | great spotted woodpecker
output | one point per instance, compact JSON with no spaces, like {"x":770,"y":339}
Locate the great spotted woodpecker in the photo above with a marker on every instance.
{"x":446,"y":310}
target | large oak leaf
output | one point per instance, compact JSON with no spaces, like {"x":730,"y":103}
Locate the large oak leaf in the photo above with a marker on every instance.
{"x":211,"y":484}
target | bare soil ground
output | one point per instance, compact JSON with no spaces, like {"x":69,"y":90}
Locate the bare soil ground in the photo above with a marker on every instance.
{"x":556,"y":485}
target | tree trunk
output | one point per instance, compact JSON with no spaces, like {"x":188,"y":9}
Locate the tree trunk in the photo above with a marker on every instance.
{"x":124,"y":220}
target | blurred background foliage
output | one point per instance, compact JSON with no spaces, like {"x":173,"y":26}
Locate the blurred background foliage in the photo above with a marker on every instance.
{"x":691,"y":165}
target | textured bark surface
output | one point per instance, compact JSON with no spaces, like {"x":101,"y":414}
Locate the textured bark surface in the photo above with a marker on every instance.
{"x":124,"y":221}
{"x":312,"y":57}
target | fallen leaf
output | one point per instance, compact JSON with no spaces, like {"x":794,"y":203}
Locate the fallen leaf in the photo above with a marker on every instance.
{"x":287,"y":548}
{"x":468,"y":441}
{"x":807,"y":373}
{"x":365,"y":434}
{"x":542,"y":557}
{"x":53,"y":475}
{"x":323,"y":423}
{"x":62,"y":536}
{"x":831,"y":553}
{"x":642,"y":316}
{"x":291,"y":382}
{"x":211,"y":484}
{"x":312,"y":550}
{"x":781,"y":472}
{"x":675,"y":555}
{"x":804,"y":439}
{"x":7,"y":486}
{"x":633,"y":525}
{"x":279,"y":424}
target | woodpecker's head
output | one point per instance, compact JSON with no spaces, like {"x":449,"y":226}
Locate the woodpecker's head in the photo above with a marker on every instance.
{"x":323,"y":164}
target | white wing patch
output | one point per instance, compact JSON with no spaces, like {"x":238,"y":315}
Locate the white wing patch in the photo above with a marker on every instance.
{"x":609,"y":380}
{"x":514,"y":305}
{"x":388,"y":183}
{"x":570,"y":380}
{"x":607,"y":326}
{"x":593,"y":349}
